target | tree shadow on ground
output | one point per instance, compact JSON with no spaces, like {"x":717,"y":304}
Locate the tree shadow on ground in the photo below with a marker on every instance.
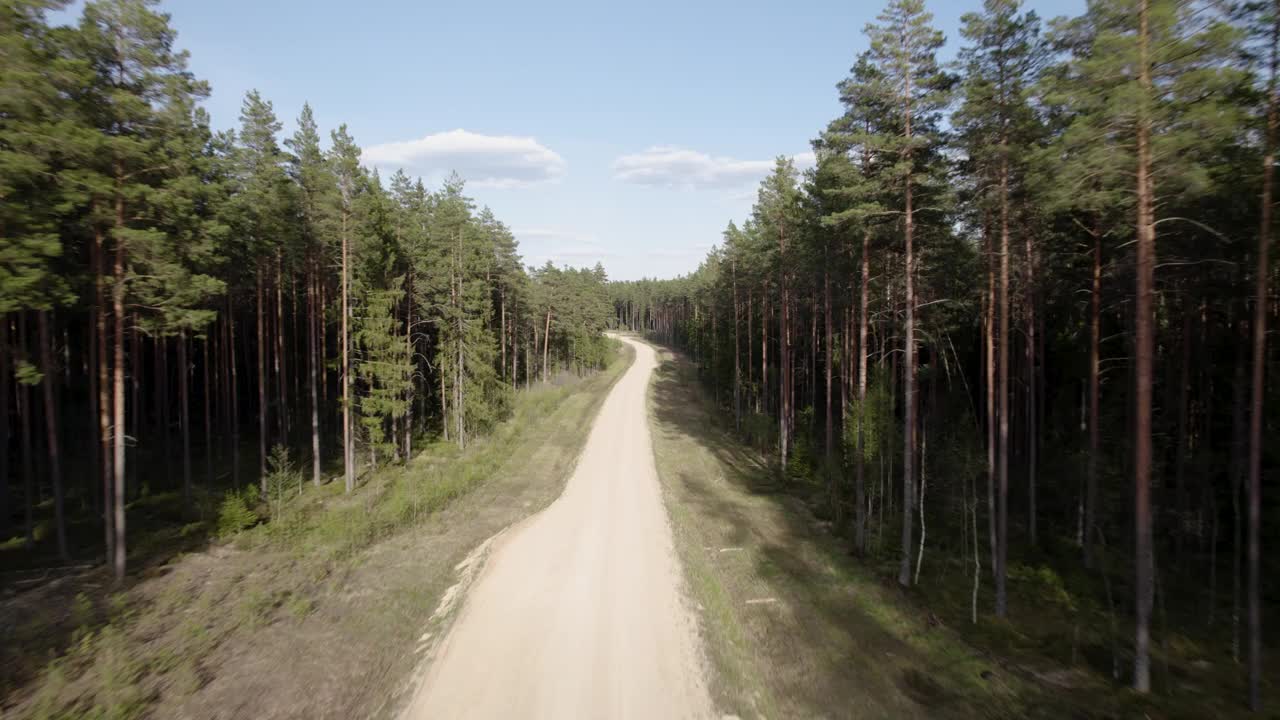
{"x":829,"y":646}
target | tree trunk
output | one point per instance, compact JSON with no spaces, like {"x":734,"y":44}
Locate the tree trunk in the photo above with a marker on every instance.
{"x":1095,"y":372}
{"x":737,"y":361}
{"x":51,"y":430}
{"x":444,"y":405}
{"x":459,"y":411}
{"x":275,"y":348}
{"x":502,"y":335}
{"x":117,"y":382}
{"x":751,"y":333}
{"x":1259,"y":372}
{"x":282,"y":411}
{"x":98,"y":273}
{"x":162,"y":381}
{"x":1002,"y":511}
{"x":1032,"y":437}
{"x":135,"y":392}
{"x":185,"y":419}
{"x":989,"y":381}
{"x":909,"y":397}
{"x":826,"y":317}
{"x":848,"y":368}
{"x":408,"y":392}
{"x":764,"y":347}
{"x":784,"y":354}
{"x":924,"y":444}
{"x":28,"y":445}
{"x":546,"y":338}
{"x":812,"y":369}
{"x":208,"y":426}
{"x":313,"y":362}
{"x":860,"y":490}
{"x":262,"y":390}
{"x":348,"y":461}
{"x":234,"y":392}
{"x":1144,"y":346}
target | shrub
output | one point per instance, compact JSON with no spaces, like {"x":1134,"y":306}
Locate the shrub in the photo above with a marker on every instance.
{"x":281,"y":478}
{"x":235,"y":514}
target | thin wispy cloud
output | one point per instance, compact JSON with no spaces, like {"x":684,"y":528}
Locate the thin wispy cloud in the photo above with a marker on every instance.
{"x":670,"y":166}
{"x":561,"y":247}
{"x":495,"y":161}
{"x":804,"y":160}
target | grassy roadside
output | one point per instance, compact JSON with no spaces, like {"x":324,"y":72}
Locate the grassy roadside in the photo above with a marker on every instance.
{"x":319,"y":613}
{"x":794,"y":626}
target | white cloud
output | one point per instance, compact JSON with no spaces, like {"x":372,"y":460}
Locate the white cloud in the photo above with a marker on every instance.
{"x":804,"y":160}
{"x":501,"y":161}
{"x":669,"y":166}
{"x":561,"y":247}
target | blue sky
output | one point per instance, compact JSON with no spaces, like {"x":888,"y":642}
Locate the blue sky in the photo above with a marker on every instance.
{"x":628,"y":134}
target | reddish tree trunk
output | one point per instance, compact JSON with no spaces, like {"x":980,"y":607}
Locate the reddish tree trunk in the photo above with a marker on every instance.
{"x":282,"y":411}
{"x":1095,"y":372}
{"x":233,"y":393}
{"x":313,"y":363}
{"x":737,"y":362}
{"x":262,"y":390}
{"x":992,"y":438}
{"x":1032,"y":384}
{"x":860,"y":490}
{"x":348,"y":461}
{"x":826,"y":317}
{"x":1002,"y":494}
{"x":117,"y":382}
{"x":1144,"y":352}
{"x":1259,"y":375}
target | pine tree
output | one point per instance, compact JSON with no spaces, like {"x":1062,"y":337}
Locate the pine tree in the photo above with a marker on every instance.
{"x":344,"y":159}
{"x":316,"y":190}
{"x":410,"y":211}
{"x":262,"y":208}
{"x":904,"y":47}
{"x":177,"y":278}
{"x":1000,"y":127}
{"x":383,"y":367}
{"x":1147,"y":68}
{"x":139,"y":96}
{"x":777,"y":213}
{"x":32,"y":204}
{"x":856,"y":163}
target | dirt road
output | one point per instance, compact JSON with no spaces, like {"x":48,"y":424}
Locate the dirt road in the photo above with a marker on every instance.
{"x":578,"y":612}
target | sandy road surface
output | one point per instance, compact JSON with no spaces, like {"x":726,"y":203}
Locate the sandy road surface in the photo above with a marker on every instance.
{"x":578,"y":612}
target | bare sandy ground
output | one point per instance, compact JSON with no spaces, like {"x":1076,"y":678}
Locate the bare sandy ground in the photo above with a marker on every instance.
{"x":578,"y":612}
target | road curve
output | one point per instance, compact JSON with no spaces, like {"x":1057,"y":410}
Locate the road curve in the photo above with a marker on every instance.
{"x":578,"y":612}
